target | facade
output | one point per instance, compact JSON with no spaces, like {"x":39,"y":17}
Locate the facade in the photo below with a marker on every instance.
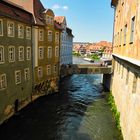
{"x":126,"y":76}
{"x":66,"y":41}
{"x":15,"y":59}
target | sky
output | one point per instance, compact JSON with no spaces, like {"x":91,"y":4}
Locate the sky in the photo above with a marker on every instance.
{"x":90,"y":20}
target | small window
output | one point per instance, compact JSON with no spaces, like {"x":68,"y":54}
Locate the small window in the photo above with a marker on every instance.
{"x":1,"y":54}
{"x":11,"y":29}
{"x":1,"y":27}
{"x":28,"y":55}
{"x":28,"y":32}
{"x":132,"y":30}
{"x":55,"y":68}
{"x":51,"y":20}
{"x":21,"y":53}
{"x":20,"y":31}
{"x":40,"y":72}
{"x":134,"y":88}
{"x":50,"y":36}
{"x":120,"y":37}
{"x":48,"y":70}
{"x":41,"y":35}
{"x":3,"y":83}
{"x":41,"y":52}
{"x":56,"y":37}
{"x":49,"y":52}
{"x":125,"y":33}
{"x":27,"y":74}
{"x":11,"y":50}
{"x":56,"y":51}
{"x":17,"y":77}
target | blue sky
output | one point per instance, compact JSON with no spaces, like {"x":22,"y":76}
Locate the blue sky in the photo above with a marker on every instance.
{"x":90,"y":20}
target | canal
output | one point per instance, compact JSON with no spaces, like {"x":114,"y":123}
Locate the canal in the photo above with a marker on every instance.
{"x":78,"y":112}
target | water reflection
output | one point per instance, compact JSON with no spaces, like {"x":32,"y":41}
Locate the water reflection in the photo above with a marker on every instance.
{"x":78,"y":112}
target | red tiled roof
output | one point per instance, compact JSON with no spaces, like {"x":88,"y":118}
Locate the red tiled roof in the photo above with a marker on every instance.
{"x":15,"y":12}
{"x":59,"y":19}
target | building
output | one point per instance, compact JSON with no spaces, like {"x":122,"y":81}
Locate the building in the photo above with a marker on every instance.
{"x":66,"y":41}
{"x":15,"y":59}
{"x":46,"y":43}
{"x":126,"y":75}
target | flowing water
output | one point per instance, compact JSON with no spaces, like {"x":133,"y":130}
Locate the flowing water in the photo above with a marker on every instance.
{"x":78,"y":112}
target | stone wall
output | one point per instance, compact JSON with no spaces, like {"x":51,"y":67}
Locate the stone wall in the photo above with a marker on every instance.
{"x":128,"y":103}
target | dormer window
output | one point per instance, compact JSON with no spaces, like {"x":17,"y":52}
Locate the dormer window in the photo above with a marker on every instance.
{"x":49,"y":20}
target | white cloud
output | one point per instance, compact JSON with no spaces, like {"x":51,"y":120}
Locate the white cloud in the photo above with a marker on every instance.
{"x":56,"y":6}
{"x":65,"y":7}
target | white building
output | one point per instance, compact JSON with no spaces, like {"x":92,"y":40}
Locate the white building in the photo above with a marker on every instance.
{"x":66,"y":41}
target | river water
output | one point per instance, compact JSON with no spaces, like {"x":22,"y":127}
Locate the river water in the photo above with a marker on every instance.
{"x":78,"y":112}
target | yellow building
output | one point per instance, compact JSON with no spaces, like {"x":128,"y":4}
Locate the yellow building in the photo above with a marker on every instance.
{"x":46,"y":51}
{"x":126,"y":76}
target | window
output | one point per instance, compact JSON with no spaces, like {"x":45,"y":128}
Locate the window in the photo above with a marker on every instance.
{"x":50,"y":36}
{"x":11,"y":31}
{"x":1,"y":54}
{"x":51,"y":20}
{"x":134,"y":88}
{"x":55,"y":68}
{"x":56,"y":51}
{"x":28,"y":32}
{"x":1,"y":27}
{"x":41,"y":35}
{"x":50,"y":52}
{"x":56,"y":37}
{"x":17,"y":77}
{"x":40,"y":72}
{"x":125,"y":33}
{"x":132,"y":30}
{"x":11,"y":50}
{"x":28,"y":55}
{"x":127,"y":76}
{"x":47,"y":19}
{"x":120,"y":37}
{"x":21,"y":53}
{"x":20,"y":31}
{"x":41,"y":52}
{"x":48,"y":70}
{"x":27,"y":74}
{"x":3,"y":83}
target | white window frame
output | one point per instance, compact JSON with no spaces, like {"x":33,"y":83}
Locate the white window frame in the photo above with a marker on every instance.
{"x":1,"y":26}
{"x":2,"y":59}
{"x":56,"y":51}
{"x":3,"y":81}
{"x":10,"y":29}
{"x":28,"y":53}
{"x":40,"y":72}
{"x":20,"y":31}
{"x":11,"y":53}
{"x":28,"y":32}
{"x":27,"y":74}
{"x":49,"y":52}
{"x":17,"y":77}
{"x":50,"y":36}
{"x":41,"y":34}
{"x":21,"y":53}
{"x":48,"y":69}
{"x":41,"y":52}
